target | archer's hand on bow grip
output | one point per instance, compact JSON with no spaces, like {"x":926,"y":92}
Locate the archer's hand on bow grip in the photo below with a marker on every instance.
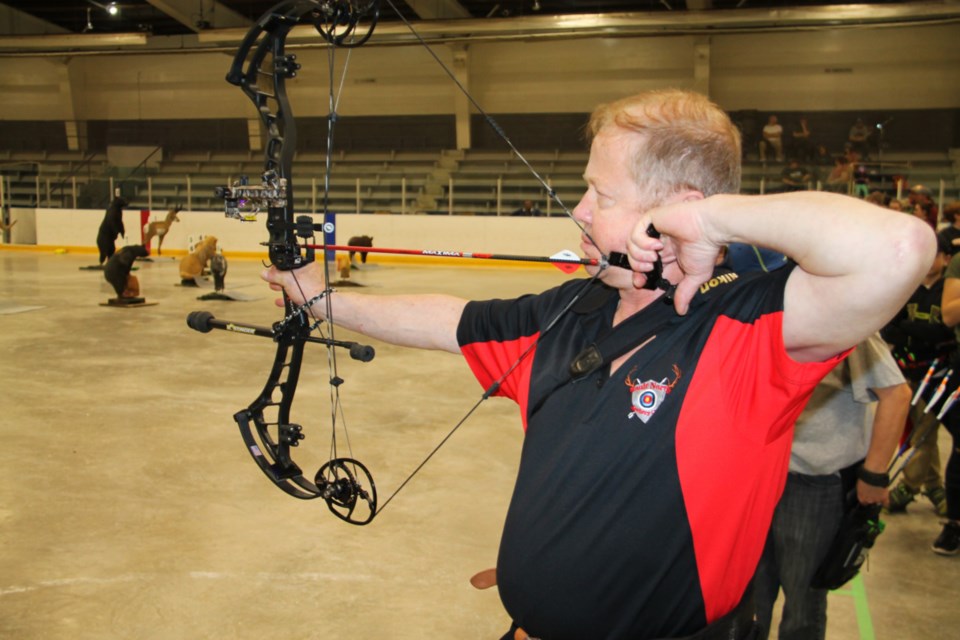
{"x":300,"y":284}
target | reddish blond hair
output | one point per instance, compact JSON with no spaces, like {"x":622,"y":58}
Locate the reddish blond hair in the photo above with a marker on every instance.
{"x":687,"y":142}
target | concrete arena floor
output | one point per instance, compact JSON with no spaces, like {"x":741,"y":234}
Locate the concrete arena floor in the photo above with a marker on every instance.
{"x":130,"y":509}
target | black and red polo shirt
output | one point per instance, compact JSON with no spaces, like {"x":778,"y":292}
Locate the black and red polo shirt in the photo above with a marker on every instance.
{"x":644,"y":495}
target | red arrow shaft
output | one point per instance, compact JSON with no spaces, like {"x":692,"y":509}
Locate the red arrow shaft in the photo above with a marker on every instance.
{"x":433,"y":253}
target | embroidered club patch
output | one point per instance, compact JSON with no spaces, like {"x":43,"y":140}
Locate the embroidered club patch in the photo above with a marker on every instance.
{"x":646,"y":397}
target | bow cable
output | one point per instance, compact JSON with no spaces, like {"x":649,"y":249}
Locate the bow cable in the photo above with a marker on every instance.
{"x":336,"y":406}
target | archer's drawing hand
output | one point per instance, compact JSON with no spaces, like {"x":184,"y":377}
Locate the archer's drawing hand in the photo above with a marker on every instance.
{"x":686,"y":247}
{"x":300,"y":284}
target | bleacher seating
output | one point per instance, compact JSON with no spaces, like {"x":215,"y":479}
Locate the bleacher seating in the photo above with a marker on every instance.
{"x":479,"y":182}
{"x":51,"y":178}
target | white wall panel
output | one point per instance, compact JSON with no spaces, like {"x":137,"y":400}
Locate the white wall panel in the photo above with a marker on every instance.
{"x":915,"y":67}
{"x":575,"y":75}
{"x":379,"y":81}
{"x":133,"y":87}
{"x":31,"y":90}
{"x":77,"y":229}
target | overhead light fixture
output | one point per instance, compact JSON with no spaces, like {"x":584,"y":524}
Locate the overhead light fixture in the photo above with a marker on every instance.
{"x":89,"y":26}
{"x":111,"y":7}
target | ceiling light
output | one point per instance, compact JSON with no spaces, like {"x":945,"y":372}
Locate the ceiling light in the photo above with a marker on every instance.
{"x":113,"y":9}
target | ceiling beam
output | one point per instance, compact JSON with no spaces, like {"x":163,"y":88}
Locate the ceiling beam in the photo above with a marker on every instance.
{"x":529,"y":28}
{"x":17,"y":23}
{"x":438,"y":9}
{"x":210,"y":14}
{"x":68,"y":42}
{"x":643,"y":23}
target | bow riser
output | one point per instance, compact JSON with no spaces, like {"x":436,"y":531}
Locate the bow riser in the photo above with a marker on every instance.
{"x":273,"y":106}
{"x":260,"y":69}
{"x":269,"y":441}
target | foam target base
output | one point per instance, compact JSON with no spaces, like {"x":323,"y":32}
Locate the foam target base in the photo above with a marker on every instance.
{"x":127,"y":303}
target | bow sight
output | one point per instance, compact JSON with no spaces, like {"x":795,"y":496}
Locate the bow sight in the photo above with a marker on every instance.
{"x":244,"y":201}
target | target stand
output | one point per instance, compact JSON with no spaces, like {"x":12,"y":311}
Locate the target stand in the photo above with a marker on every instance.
{"x":127,"y":303}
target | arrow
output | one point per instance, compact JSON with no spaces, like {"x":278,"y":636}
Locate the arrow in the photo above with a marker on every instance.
{"x":939,"y":391}
{"x":926,"y":381}
{"x":949,"y":403}
{"x":566,"y":260}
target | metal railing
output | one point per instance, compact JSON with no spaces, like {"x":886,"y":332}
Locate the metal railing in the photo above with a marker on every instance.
{"x":452,"y":193}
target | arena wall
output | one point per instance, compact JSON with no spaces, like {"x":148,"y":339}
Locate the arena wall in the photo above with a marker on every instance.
{"x":75,"y":230}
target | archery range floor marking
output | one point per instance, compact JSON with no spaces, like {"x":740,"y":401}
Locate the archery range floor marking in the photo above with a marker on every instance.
{"x":60,"y":583}
{"x":10,"y":307}
{"x":71,"y":582}
{"x":859,"y":593}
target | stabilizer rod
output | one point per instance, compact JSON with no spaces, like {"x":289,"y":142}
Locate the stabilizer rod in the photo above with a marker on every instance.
{"x":205,"y":322}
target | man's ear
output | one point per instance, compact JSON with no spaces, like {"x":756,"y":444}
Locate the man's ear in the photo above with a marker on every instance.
{"x":685,"y":195}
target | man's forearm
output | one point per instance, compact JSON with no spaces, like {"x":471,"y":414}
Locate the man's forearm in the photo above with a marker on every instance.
{"x":888,"y":424}
{"x":858,"y":263}
{"x":826,"y":234}
{"x":421,"y":321}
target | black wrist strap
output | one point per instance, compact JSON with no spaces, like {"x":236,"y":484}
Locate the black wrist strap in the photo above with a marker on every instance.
{"x":881,"y":480}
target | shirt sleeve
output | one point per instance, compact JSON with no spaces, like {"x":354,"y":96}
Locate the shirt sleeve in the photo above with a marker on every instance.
{"x":872,"y":367}
{"x":498,"y":338}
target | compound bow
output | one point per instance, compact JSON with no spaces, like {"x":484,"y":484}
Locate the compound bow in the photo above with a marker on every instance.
{"x":261,"y":68}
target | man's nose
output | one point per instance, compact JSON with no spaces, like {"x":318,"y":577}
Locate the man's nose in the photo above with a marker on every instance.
{"x":581,"y":212}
